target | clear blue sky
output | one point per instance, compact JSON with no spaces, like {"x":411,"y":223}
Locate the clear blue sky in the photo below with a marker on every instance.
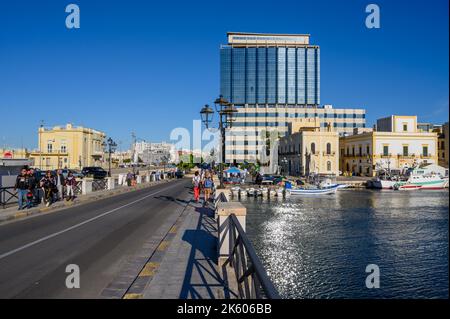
{"x":149,"y":66}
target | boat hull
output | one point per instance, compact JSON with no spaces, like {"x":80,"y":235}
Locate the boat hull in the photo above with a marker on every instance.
{"x":319,"y":191}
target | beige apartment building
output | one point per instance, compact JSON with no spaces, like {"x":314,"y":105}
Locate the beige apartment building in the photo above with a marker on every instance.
{"x":69,"y":146}
{"x":309,"y":149}
{"x":397,"y":144}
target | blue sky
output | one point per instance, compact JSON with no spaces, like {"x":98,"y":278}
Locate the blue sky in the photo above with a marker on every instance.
{"x":148,"y":66}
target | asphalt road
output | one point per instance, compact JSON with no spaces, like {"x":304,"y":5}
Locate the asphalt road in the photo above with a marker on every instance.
{"x":98,"y":237}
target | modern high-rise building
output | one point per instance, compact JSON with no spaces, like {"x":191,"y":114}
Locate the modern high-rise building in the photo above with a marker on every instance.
{"x":273,"y":79}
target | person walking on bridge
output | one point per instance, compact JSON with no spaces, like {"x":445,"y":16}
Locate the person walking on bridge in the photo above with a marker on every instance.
{"x":196,"y":182}
{"x":70,"y":183}
{"x":207,"y":186}
{"x":23,"y":187}
{"x":49,"y":186}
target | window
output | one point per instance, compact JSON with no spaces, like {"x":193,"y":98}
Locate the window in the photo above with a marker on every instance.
{"x":63,"y":149}
{"x":368,"y":150}
{"x":405,"y":127}
{"x":385,"y":150}
{"x":405,"y":150}
{"x":313,"y":148}
{"x":49,"y":148}
{"x":353,"y":151}
{"x":360,"y":150}
{"x":328,"y":148}
{"x":425,"y":150}
{"x":328,"y":166}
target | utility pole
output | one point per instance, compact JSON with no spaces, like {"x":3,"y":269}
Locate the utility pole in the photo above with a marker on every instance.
{"x":133,"y":150}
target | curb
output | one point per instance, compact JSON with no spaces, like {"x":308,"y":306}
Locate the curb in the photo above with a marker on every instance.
{"x":58,"y":206}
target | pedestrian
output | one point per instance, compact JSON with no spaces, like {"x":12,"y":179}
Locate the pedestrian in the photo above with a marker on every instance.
{"x":49,"y":187}
{"x":196,"y":181}
{"x":33,"y":187}
{"x":207,"y":185}
{"x":59,"y":181}
{"x":129,"y":178}
{"x":22,"y":186}
{"x":70,"y":183}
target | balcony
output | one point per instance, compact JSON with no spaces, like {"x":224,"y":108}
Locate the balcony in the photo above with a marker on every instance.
{"x":427,"y":156}
{"x":386,"y":155}
{"x":328,"y":154}
{"x":404,"y":156}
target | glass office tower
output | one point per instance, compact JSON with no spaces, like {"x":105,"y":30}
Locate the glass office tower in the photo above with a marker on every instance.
{"x":273,"y":79}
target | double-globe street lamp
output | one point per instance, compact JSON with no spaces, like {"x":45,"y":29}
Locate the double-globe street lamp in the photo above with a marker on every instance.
{"x":226,"y":113}
{"x":110,"y":147}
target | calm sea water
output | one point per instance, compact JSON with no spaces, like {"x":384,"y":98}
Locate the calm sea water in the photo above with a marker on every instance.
{"x":319,"y":247}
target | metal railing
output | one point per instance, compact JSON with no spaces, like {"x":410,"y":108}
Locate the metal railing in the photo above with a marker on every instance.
{"x":99,"y":184}
{"x":251,"y":277}
{"x":8,"y":196}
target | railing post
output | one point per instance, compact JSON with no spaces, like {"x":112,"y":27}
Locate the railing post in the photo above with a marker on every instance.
{"x":111,"y":184}
{"x":86,"y":186}
{"x":147,"y":178}
{"x":223,"y":211}
{"x":139,"y":179}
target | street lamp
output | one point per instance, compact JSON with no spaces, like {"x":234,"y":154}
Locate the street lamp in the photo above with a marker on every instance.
{"x":110,"y":147}
{"x":226,"y":113}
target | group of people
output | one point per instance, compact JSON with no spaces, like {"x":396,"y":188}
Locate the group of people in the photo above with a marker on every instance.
{"x":29,"y":182}
{"x":203,"y":181}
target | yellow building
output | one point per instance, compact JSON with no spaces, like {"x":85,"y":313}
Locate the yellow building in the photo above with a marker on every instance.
{"x":396,"y":144}
{"x":308,"y":149}
{"x":69,"y":147}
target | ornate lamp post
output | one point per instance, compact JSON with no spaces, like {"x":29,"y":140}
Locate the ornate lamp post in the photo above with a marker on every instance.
{"x":110,"y":147}
{"x":226,"y":113}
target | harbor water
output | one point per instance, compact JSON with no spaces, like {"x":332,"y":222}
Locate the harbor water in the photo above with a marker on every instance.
{"x":320,"y":246}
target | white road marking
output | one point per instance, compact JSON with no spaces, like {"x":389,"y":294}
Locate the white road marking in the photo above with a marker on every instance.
{"x":9,"y":253}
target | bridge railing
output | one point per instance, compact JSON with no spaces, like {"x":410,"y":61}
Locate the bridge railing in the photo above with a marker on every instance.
{"x":8,"y":196}
{"x":236,"y":253}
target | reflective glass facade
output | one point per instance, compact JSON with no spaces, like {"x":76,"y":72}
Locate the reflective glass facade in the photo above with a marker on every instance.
{"x":270,"y":75}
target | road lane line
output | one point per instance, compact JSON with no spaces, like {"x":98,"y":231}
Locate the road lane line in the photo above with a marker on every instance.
{"x":2,"y":256}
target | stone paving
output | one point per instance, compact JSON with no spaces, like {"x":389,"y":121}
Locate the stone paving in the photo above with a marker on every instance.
{"x":188,"y":269}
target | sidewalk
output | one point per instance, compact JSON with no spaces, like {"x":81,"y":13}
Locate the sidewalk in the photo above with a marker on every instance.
{"x":186,"y":267}
{"x":12,"y":213}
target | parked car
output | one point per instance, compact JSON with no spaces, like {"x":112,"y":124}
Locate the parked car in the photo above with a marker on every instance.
{"x":179,"y":174}
{"x":94,"y":172}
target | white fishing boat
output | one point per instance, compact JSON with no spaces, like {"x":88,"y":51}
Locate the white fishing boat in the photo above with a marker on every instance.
{"x":421,"y":178}
{"x":314,"y":191}
{"x":280,"y":192}
{"x":272,"y":193}
{"x":264,"y":191}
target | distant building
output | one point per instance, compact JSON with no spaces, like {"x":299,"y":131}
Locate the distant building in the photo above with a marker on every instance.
{"x":272,"y":80}
{"x":11,"y":153}
{"x":396,"y":144}
{"x":69,"y":147}
{"x":309,"y":149}
{"x":154,"y":153}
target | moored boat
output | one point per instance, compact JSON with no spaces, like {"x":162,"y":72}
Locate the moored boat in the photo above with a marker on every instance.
{"x":314,"y":191}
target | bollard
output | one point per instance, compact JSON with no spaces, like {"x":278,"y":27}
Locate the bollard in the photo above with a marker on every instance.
{"x":86,"y":186}
{"x":139,"y":179}
{"x":111,"y":183}
{"x":223,"y":211}
{"x":147,"y":178}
